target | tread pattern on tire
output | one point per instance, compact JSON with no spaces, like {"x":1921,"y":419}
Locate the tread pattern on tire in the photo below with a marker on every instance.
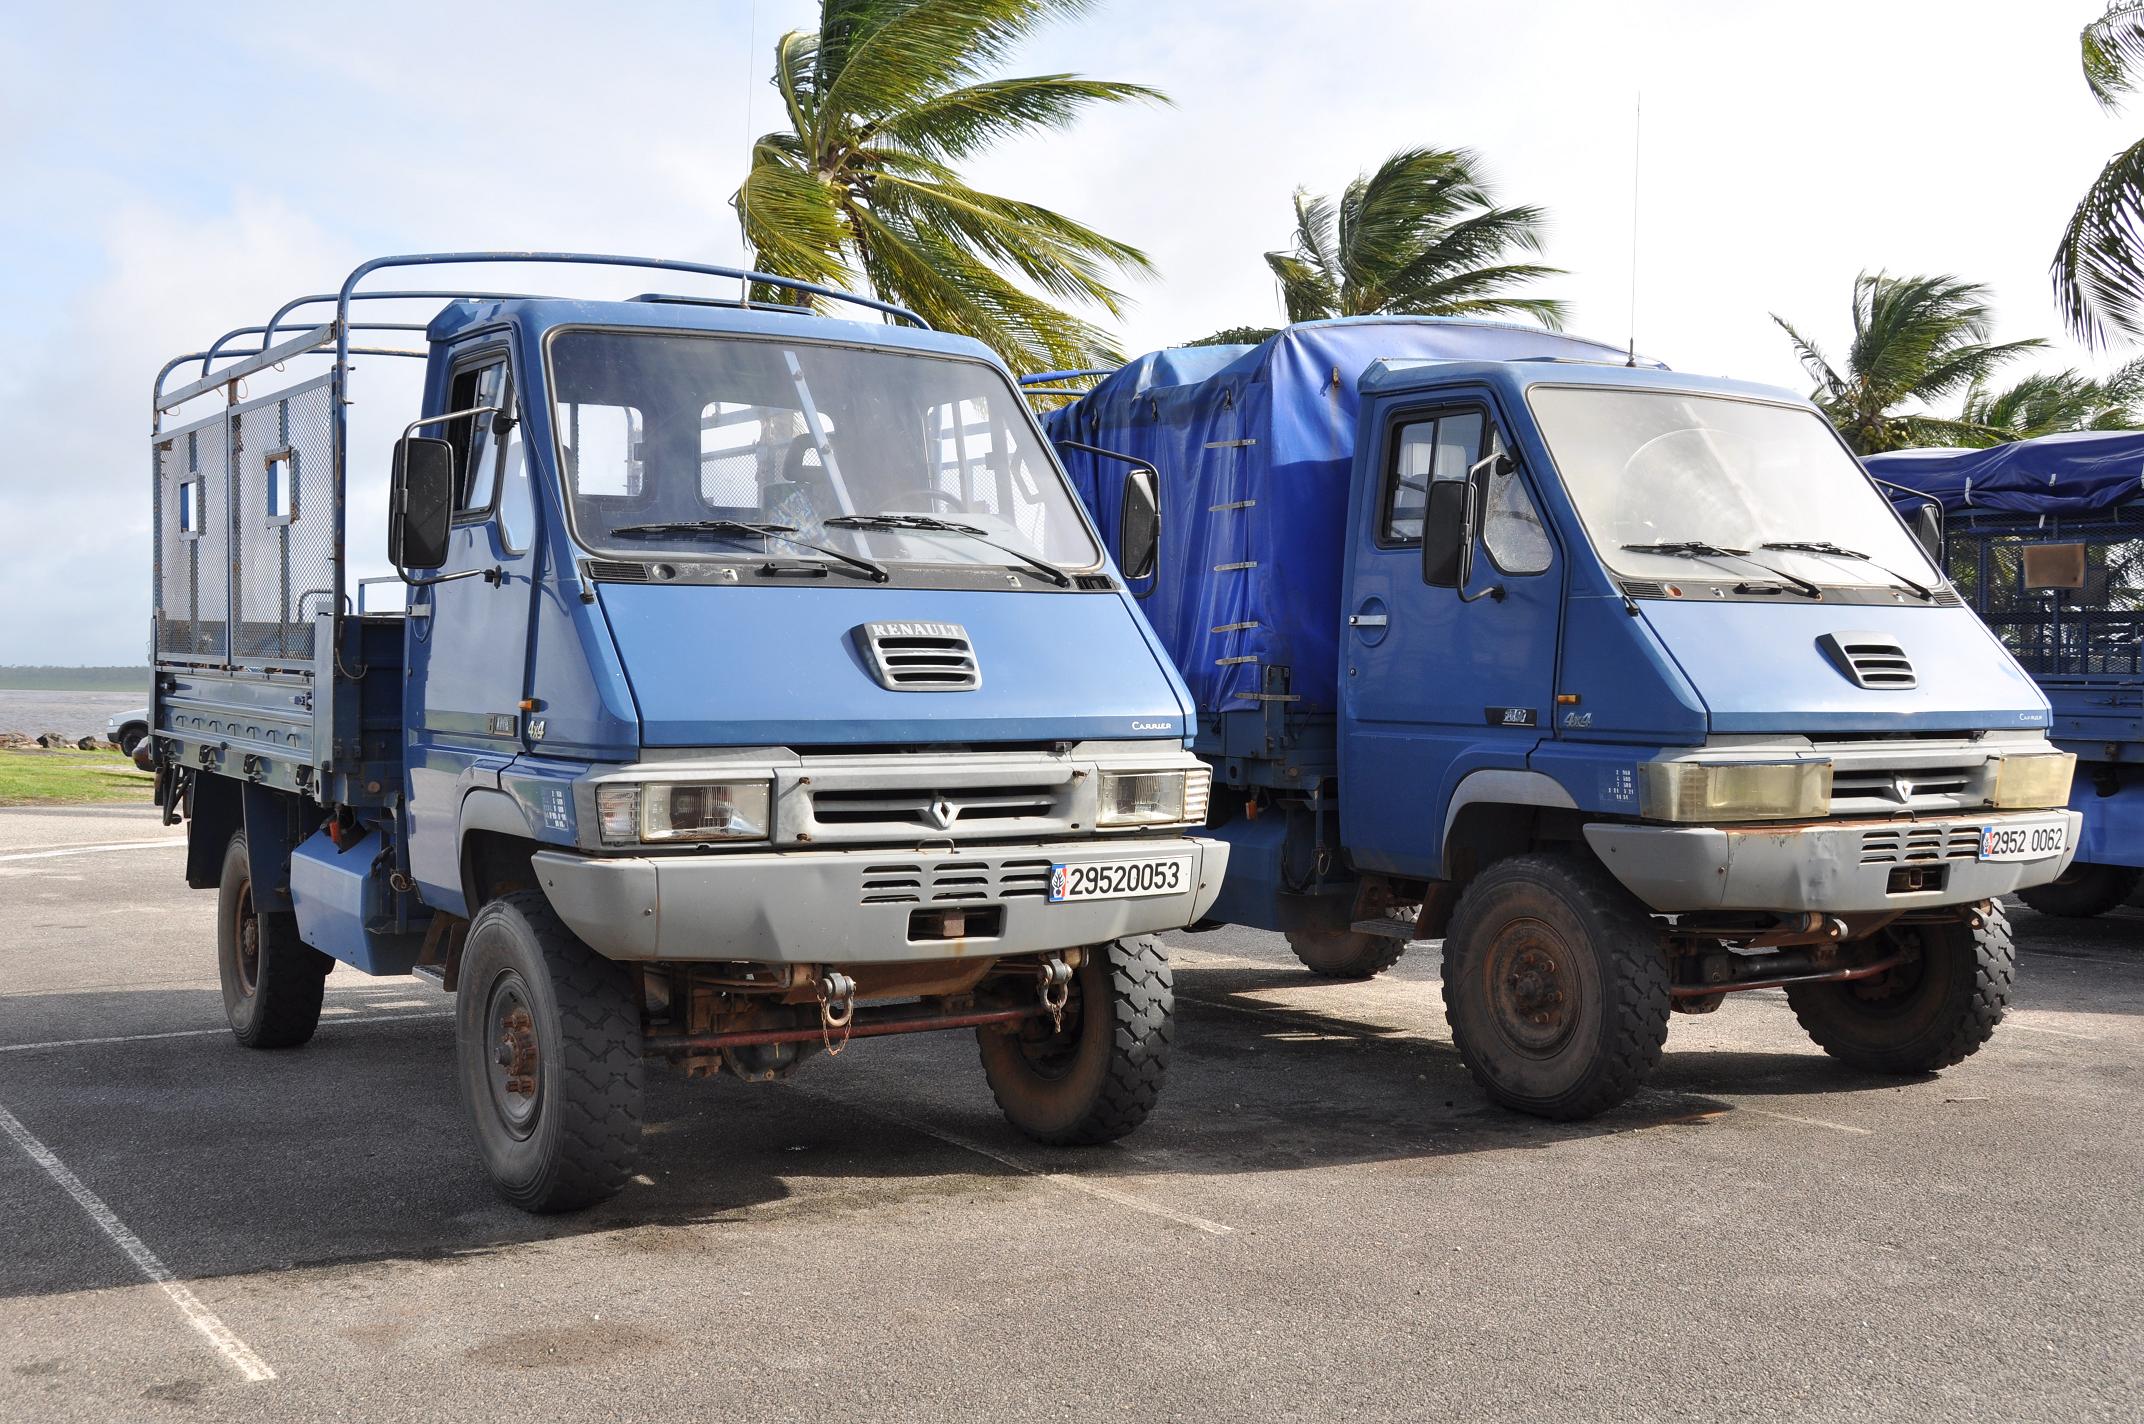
{"x":1637,"y":1010}
{"x":598,"y":1103}
{"x":291,"y":981}
{"x":2100,"y":889}
{"x":1142,"y":1005}
{"x":1377,"y":954}
{"x":1985,"y":1002}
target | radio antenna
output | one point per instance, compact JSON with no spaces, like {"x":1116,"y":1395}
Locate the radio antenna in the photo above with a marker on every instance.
{"x":1637,"y":153}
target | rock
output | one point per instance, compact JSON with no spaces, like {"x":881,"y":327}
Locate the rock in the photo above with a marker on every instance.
{"x":14,"y":741}
{"x":87,"y":744}
{"x":53,"y":741}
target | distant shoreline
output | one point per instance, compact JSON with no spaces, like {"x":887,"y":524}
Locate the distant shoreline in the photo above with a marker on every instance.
{"x":32,"y":678}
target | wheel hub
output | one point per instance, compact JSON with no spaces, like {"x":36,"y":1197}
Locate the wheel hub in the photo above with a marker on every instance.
{"x":516,"y":1066}
{"x":248,"y":936}
{"x":1531,"y":987}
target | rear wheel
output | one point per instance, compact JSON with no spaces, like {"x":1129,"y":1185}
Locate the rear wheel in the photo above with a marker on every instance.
{"x":547,"y":1032}
{"x":1556,"y":984}
{"x":130,"y":737}
{"x":1345,"y":954}
{"x":1936,"y":1008}
{"x":1097,"y":1077}
{"x":272,"y":982}
{"x":2083,"y":891}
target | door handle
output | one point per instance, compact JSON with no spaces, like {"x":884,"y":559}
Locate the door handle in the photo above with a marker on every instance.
{"x":1368,"y":620}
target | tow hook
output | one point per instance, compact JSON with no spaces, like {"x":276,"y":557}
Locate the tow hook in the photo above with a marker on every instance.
{"x":837,"y":1007}
{"x":1056,"y":989}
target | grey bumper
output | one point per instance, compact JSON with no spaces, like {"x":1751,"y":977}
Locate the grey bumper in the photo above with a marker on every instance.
{"x":1840,"y":867}
{"x":854,"y":906}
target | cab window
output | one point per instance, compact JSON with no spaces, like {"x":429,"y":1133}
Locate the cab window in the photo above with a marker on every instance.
{"x":1437,"y":447}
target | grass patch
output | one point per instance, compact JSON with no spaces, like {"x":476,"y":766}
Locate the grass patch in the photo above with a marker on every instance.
{"x":69,"y":778}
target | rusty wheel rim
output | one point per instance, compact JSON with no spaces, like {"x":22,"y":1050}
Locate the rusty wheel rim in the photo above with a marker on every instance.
{"x":513,"y":1055}
{"x":1533,"y":994}
{"x":246,"y":938}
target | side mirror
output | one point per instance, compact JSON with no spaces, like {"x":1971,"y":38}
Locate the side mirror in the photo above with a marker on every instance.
{"x":1139,"y":526}
{"x":1928,"y":530}
{"x":1448,"y":525}
{"x":421,"y":503}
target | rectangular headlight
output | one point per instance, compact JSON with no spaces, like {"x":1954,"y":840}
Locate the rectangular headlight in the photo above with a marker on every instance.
{"x":666,"y":812}
{"x":2034,"y":780}
{"x":1736,"y":791}
{"x":1153,"y":798}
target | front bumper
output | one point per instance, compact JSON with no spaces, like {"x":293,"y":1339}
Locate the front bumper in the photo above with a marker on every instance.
{"x":855,"y":906}
{"x":1833,"y":867}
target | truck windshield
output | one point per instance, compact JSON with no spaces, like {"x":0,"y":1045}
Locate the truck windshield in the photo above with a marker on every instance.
{"x":1669,"y":481}
{"x":678,"y":443}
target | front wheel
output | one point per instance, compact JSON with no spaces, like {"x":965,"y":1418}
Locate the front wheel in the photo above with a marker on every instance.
{"x":1935,"y":1008}
{"x":1096,"y":1078}
{"x":2083,"y":891}
{"x":547,"y":1033}
{"x":1556,"y":985}
{"x":273,"y":982}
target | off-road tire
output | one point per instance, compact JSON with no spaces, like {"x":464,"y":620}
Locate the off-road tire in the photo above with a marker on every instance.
{"x":1345,"y":954}
{"x":1099,"y":1078}
{"x":581,"y":1135}
{"x":1930,"y":1013}
{"x":2083,"y":891}
{"x":272,"y":981}
{"x":1603,"y":954}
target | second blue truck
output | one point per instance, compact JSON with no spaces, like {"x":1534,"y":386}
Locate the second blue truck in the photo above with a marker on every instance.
{"x":1628,"y":684}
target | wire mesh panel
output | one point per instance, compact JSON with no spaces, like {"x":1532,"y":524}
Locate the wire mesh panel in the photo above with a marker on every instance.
{"x":2065,"y":596}
{"x":192,"y":542}
{"x":283,"y":517}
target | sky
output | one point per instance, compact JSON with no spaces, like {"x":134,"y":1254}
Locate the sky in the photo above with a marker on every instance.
{"x":172,"y":172}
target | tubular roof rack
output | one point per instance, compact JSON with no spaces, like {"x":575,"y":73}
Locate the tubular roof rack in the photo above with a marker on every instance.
{"x":243,"y":360}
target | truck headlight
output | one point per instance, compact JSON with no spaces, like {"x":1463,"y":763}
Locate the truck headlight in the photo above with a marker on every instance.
{"x":1736,"y":791}
{"x":1153,"y":798}
{"x":2034,"y":780}
{"x":663,"y":812}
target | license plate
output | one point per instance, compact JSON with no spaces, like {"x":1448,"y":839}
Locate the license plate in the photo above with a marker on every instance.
{"x":1120,"y":879}
{"x":2035,"y":841}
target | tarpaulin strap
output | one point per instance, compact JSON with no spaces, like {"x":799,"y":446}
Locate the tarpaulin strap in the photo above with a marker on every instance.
{"x":1230,"y":444}
{"x":1225,"y":662}
{"x":1234,"y":504}
{"x":1230,"y":627}
{"x":1225,"y":568}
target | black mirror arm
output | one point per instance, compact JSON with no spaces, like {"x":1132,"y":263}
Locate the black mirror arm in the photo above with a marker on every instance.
{"x":493,"y":576}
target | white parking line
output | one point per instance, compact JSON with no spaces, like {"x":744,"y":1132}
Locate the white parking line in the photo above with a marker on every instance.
{"x":1056,"y":1179}
{"x":209,"y":1032}
{"x":235,"y":1351}
{"x":90,"y":849}
{"x":1811,"y":1121}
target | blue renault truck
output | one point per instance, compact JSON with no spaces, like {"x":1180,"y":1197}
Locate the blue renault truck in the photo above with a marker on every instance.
{"x":2045,"y":539}
{"x":1628,"y":684}
{"x":759,"y":686}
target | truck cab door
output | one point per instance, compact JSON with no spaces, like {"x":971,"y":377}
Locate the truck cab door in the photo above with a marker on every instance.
{"x":1437,"y":682}
{"x":469,"y":637}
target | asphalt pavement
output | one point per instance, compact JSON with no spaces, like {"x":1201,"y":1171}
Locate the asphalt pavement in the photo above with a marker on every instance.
{"x":1323,"y":1219}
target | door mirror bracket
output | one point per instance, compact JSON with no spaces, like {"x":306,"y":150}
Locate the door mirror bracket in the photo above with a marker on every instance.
{"x":1450,"y":524}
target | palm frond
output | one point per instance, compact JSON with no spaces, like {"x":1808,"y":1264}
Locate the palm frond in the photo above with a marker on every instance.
{"x":902,"y":53}
{"x":2112,"y":48}
{"x":2098,"y":269}
{"x":1829,"y":383}
{"x":960,"y":122}
{"x":1306,"y":291}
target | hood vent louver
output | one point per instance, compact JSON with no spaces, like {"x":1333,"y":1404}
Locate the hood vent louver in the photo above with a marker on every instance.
{"x":1092,"y":583}
{"x":1643,"y":588}
{"x":920,"y":657}
{"x":1871,"y":660}
{"x":616,"y":571}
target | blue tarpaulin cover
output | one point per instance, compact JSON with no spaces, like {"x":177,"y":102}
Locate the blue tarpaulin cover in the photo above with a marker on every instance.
{"x":1255,"y":446}
{"x":2080,"y":473}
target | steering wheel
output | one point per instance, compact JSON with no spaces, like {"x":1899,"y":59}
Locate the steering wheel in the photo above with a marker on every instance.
{"x":1697,"y":506}
{"x":942,"y":499}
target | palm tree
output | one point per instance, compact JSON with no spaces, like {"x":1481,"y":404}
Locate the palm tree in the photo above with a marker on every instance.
{"x":1917,"y":340}
{"x":1421,"y":235}
{"x":882,"y":100}
{"x":2099,"y":266}
{"x":2050,"y":402}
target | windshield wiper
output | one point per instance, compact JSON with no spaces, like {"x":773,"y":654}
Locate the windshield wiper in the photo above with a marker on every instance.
{"x":785,"y":533}
{"x":1825,"y":546}
{"x":931,"y":524}
{"x":1699,"y":549}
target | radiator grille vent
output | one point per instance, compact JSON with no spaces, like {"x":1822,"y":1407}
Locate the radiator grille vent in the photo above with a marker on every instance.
{"x":920,"y":657}
{"x":1871,"y":660}
{"x":616,"y":571}
{"x":1644,"y":588}
{"x":925,"y":882}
